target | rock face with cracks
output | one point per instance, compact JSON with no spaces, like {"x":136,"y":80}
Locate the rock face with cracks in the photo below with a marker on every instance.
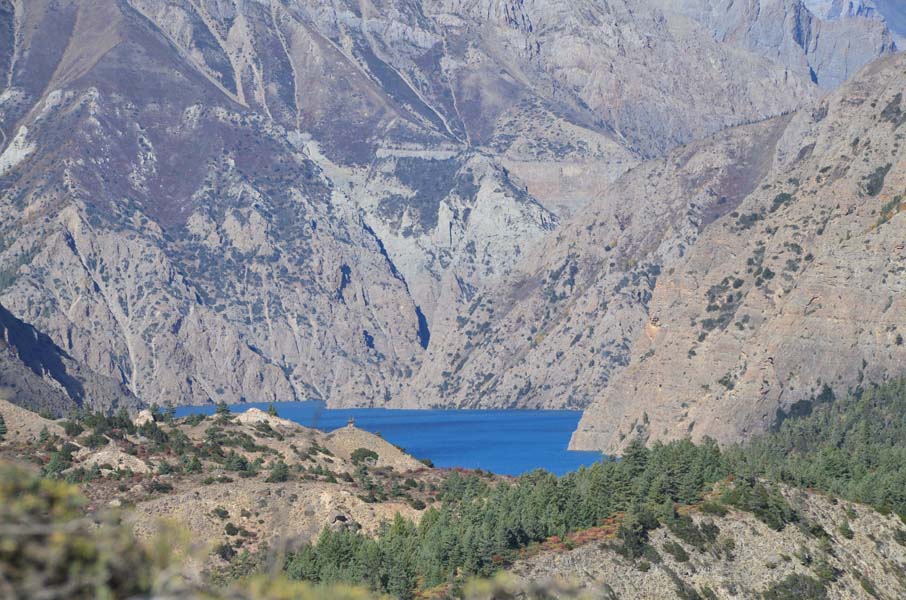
{"x":214,"y":200}
{"x":793,"y":296}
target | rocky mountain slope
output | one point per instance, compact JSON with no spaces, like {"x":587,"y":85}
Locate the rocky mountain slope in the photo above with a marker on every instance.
{"x":37,"y":374}
{"x":895,"y":15}
{"x":792,"y":296}
{"x":827,"y":44}
{"x":554,"y":335}
{"x":209,"y":200}
{"x":891,"y":11}
{"x":148,"y":468}
{"x":745,"y":559}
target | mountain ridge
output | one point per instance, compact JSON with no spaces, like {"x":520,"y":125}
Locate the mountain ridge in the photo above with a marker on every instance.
{"x":289,"y":182}
{"x":776,"y":299}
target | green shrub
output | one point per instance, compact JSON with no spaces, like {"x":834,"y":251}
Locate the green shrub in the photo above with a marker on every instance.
{"x":676,"y":551}
{"x":874,"y":182}
{"x":796,"y":587}
{"x":48,"y":545}
{"x":633,"y":532}
{"x":279,"y":472}
{"x":714,"y":508}
{"x":95,"y":440}
{"x":225,"y":551}
{"x":363,"y":455}
{"x":768,"y":505}
{"x":845,"y":530}
{"x":160,"y":487}
{"x":71,"y":428}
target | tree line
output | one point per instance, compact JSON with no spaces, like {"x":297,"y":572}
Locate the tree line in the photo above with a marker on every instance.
{"x":852,"y":447}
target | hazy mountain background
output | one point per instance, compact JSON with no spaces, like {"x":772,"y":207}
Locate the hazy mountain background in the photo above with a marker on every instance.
{"x":432,"y":203}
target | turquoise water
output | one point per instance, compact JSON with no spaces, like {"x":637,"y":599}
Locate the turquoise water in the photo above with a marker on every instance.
{"x":508,"y":442}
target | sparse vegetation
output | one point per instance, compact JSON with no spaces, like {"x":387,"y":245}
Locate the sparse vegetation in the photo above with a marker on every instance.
{"x":796,"y":587}
{"x":874,"y":183}
{"x":363,"y":455}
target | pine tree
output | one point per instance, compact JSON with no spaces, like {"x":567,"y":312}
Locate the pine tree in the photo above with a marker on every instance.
{"x":222,"y":409}
{"x":191,"y":465}
{"x":2,"y":428}
{"x":272,"y":410}
{"x":279,"y":472}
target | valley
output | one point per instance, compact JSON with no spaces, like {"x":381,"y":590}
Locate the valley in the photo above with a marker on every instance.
{"x":288,"y":181}
{"x":429,"y":299}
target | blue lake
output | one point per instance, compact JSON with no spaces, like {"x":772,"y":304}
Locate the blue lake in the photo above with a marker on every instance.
{"x":508,"y":442}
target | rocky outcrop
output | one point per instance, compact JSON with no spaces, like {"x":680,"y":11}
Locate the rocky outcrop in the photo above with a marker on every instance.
{"x":792,"y":296}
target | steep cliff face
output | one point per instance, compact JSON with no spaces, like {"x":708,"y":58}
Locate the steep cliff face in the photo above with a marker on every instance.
{"x":166,"y":235}
{"x":212,"y":200}
{"x":562,"y":325}
{"x":36,"y":374}
{"x":827,"y":44}
{"x":793,"y":295}
{"x":894,"y":14}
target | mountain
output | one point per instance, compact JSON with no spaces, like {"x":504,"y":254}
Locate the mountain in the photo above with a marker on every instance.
{"x":285,"y":200}
{"x":895,"y":15}
{"x":789,"y":299}
{"x":554,"y":334}
{"x":823,"y":41}
{"x":36,"y":374}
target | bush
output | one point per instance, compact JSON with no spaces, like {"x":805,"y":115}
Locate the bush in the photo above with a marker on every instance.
{"x":845,"y":530}
{"x":95,"y":440}
{"x":191,"y":465}
{"x":633,"y":532}
{"x":714,"y":508}
{"x":796,"y":587}
{"x":71,"y":428}
{"x":225,"y":551}
{"x":363,"y":455}
{"x":49,"y":546}
{"x":768,"y":506}
{"x":676,"y":551}
{"x":159,"y":487}
{"x":194,"y":419}
{"x":279,"y":472}
{"x":58,"y":463}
